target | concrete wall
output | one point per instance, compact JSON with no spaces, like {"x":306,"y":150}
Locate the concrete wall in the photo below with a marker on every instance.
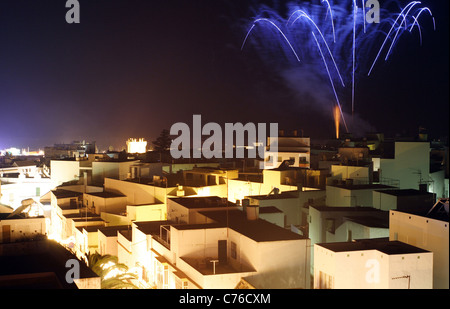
{"x":63,"y":171}
{"x":411,"y":163}
{"x":337,"y":196}
{"x":17,"y":229}
{"x":425,"y":233}
{"x":372,"y":269}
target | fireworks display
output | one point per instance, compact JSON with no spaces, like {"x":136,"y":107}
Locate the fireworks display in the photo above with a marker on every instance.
{"x":339,"y":41}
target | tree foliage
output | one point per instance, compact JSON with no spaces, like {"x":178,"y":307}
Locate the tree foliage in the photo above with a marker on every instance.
{"x":103,"y":265}
{"x":163,"y":141}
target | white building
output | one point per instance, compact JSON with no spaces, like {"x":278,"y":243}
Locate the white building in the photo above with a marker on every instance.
{"x":220,"y":250}
{"x":409,"y":163}
{"x":351,"y":195}
{"x":427,"y":232}
{"x":292,"y":148}
{"x":338,"y":224}
{"x":372,"y":264}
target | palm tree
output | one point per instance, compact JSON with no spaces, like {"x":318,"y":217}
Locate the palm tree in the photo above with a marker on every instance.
{"x":114,"y":275}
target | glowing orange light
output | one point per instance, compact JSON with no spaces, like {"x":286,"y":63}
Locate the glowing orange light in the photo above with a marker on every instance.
{"x":337,"y":117}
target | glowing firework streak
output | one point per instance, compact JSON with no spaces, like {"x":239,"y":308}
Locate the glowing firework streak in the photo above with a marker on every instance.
{"x":355,"y":8}
{"x":303,"y":14}
{"x":416,"y":22}
{"x":364,"y":14}
{"x":276,"y":27}
{"x":331,"y":81}
{"x":389,"y":33}
{"x":399,"y":28}
{"x":337,"y":117}
{"x":331,"y":18}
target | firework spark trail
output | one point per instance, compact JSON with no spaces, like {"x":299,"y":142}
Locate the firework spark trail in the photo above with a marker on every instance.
{"x":389,"y":33}
{"x":331,"y":81}
{"x":400,"y":27}
{"x":303,"y":14}
{"x":355,"y":9}
{"x":276,"y":27}
{"x":331,"y":18}
{"x":416,"y":22}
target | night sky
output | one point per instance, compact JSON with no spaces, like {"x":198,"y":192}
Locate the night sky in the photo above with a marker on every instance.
{"x":134,"y":67}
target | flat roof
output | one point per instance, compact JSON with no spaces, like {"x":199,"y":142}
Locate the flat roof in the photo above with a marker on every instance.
{"x":362,"y":186}
{"x":151,"y":227}
{"x":127,"y":234}
{"x":370,"y":221}
{"x":89,"y":228}
{"x":346,"y":208}
{"x":281,"y":195}
{"x":62,"y":193}
{"x":111,"y":231}
{"x":106,"y":194}
{"x":269,"y":210}
{"x":382,"y":245}
{"x":203,"y":202}
{"x":27,"y":261}
{"x":404,"y":192}
{"x":259,"y":230}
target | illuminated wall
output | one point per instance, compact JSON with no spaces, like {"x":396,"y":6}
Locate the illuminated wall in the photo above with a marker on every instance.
{"x":136,"y":146}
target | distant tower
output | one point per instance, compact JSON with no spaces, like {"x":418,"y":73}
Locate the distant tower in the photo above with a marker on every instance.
{"x":136,"y":146}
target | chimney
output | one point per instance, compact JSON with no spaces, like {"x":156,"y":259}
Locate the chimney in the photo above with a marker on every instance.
{"x":245,"y":203}
{"x":252,"y":212}
{"x":423,"y":187}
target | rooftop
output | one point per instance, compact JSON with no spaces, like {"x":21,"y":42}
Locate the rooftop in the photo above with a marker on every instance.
{"x":269,"y":210}
{"x":259,"y":230}
{"x":362,"y":186}
{"x":203,"y":202}
{"x":151,"y":227}
{"x":62,"y":193}
{"x":382,"y":245}
{"x":106,"y":194}
{"x":37,"y":265}
{"x":404,"y":192}
{"x":111,"y":231}
{"x":346,"y":208}
{"x":281,"y":195}
{"x":371,"y":221}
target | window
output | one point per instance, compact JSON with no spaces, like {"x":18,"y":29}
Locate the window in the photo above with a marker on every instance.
{"x":181,"y":283}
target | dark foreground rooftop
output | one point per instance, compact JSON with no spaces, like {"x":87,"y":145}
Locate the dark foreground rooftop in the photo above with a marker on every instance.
{"x":382,"y":245}
{"x":37,"y":265}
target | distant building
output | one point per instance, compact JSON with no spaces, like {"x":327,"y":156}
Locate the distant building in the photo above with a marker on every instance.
{"x":293,"y":148}
{"x":74,"y":149}
{"x":136,"y":145}
{"x":372,"y":264}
